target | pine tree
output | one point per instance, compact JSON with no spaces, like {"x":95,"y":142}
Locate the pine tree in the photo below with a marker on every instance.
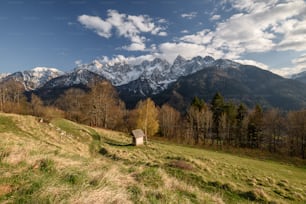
{"x":217,"y":107}
{"x":240,"y":124}
{"x":255,"y":128}
{"x":230,"y":122}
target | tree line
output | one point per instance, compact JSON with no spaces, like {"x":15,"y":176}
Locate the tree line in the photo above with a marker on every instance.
{"x":215,"y":123}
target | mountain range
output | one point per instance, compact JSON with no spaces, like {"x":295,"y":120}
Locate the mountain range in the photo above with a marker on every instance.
{"x":175,"y":83}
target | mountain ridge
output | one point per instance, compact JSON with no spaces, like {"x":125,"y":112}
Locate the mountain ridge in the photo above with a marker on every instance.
{"x":165,"y":82}
{"x":34,"y":78}
{"x":159,"y":72}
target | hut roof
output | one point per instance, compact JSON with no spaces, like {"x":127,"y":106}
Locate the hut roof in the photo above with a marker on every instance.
{"x":138,"y":133}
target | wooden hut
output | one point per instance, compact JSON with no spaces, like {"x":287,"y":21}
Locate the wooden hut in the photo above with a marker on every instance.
{"x":138,"y":137}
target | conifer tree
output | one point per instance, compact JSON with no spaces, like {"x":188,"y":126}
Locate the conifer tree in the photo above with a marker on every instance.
{"x":230,"y":122}
{"x":240,"y":125}
{"x":255,"y":127}
{"x":217,"y":107}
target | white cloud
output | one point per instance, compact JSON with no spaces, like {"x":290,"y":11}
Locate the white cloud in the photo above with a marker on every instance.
{"x":135,"y":47}
{"x":293,"y":32}
{"x":300,"y":60}
{"x":264,"y":25}
{"x":101,"y":27}
{"x":215,"y":17}
{"x":129,"y":60}
{"x":162,"y":21}
{"x":299,"y":65}
{"x":78,"y":62}
{"x":143,"y":23}
{"x":257,"y":26}
{"x":170,"y":51}
{"x":128,"y":26}
{"x":190,"y":15}
{"x":184,"y":31}
{"x":163,"y":33}
{"x":254,"y":63}
{"x":200,"y":38}
{"x":252,"y":5}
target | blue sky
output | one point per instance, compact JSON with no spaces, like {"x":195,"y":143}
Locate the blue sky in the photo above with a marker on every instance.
{"x":62,"y":34}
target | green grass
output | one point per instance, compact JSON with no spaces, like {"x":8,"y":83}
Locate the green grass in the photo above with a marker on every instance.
{"x":89,"y":165}
{"x":150,"y":177}
{"x":8,"y":125}
{"x":68,"y":127}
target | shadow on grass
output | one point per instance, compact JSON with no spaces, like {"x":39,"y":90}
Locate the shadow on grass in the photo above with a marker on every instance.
{"x":115,"y":143}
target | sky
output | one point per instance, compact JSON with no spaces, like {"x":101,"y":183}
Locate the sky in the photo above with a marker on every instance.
{"x":63,"y":34}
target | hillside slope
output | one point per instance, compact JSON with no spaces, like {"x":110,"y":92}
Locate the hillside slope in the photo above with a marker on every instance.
{"x":70,"y":163}
{"x":247,"y":84}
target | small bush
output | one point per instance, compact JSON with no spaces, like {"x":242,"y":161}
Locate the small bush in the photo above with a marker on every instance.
{"x":135,"y":193}
{"x":94,"y":182}
{"x":103,"y":151}
{"x":46,"y":166}
{"x":74,"y":178}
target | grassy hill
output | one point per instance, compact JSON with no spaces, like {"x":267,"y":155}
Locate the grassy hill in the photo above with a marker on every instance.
{"x":64,"y":162}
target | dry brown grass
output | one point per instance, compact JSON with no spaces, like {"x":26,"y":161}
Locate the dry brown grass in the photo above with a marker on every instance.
{"x":156,"y":173}
{"x":5,"y":189}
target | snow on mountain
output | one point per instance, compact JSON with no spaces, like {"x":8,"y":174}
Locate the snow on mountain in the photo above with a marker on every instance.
{"x":35,"y":78}
{"x":158,"y":73}
{"x":149,"y":76}
{"x":77,"y":77}
{"x":118,"y":73}
{"x":3,"y":75}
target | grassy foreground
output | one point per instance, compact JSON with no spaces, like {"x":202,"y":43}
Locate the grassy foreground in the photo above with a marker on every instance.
{"x":64,"y":162}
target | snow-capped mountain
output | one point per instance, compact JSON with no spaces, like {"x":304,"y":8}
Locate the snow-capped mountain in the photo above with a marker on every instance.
{"x":174,"y":83}
{"x":151,"y":77}
{"x":77,"y":77}
{"x":57,"y":86}
{"x":156,"y":74}
{"x":34,"y":78}
{"x":3,"y":75}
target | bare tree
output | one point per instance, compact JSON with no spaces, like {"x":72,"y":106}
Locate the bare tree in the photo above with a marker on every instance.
{"x":103,"y":106}
{"x":169,"y":121}
{"x":297,"y":133}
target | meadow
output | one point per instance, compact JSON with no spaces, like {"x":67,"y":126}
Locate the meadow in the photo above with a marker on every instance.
{"x":60,"y":161}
